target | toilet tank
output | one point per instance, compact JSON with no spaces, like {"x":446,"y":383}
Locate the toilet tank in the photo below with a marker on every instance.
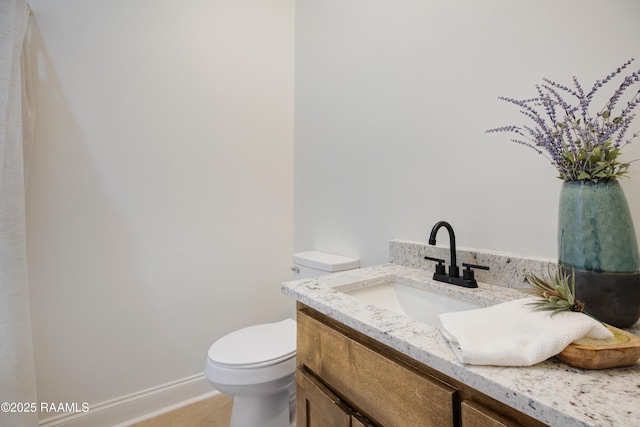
{"x":315,"y":263}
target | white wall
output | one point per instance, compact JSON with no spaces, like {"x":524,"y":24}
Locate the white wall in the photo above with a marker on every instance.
{"x":160,"y":197}
{"x":392,"y":100}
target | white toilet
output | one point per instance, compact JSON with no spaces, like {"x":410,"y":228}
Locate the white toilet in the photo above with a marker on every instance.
{"x":256,"y":365}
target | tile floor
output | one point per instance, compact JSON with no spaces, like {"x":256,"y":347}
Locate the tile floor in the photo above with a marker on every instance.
{"x":212,"y":412}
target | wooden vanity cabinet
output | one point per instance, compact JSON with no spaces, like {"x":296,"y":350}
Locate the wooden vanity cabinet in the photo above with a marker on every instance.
{"x":346,"y":379}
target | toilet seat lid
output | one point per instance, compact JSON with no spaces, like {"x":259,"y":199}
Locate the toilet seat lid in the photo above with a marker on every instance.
{"x":257,"y":345}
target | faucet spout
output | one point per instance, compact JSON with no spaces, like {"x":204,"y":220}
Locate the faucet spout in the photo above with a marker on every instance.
{"x":453,"y":268}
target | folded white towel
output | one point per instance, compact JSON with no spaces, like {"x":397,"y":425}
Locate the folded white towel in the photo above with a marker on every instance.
{"x":511,"y":334}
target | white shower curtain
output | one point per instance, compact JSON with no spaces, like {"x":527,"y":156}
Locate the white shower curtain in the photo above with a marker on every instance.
{"x":17,"y":376}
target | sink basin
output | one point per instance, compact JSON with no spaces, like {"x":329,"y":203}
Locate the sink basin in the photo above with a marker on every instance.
{"x":419,"y":304}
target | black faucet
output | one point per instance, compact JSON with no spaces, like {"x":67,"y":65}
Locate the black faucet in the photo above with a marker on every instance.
{"x":467,"y":280}
{"x":453,"y":268}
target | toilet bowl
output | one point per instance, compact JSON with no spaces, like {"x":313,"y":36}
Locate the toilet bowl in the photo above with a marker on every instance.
{"x":256,"y":365}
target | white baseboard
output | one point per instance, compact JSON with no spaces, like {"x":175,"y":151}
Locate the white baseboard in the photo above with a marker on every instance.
{"x":126,"y":410}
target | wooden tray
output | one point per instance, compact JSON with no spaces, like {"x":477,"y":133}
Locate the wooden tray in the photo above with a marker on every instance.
{"x":593,"y":354}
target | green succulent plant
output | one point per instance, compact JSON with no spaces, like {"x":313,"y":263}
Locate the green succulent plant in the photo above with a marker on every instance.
{"x":555,"y":293}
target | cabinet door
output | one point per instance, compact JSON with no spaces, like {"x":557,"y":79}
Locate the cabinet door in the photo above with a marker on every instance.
{"x":387,"y":391}
{"x":316,"y":406}
{"x":476,"y":415}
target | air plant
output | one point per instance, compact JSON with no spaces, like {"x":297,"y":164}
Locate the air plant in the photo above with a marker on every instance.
{"x":555,"y":294}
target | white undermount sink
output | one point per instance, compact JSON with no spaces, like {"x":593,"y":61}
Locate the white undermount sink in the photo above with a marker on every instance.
{"x":418,"y":304}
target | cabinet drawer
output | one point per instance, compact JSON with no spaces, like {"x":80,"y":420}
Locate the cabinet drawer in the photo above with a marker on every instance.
{"x":383,"y":389}
{"x":475,"y":415}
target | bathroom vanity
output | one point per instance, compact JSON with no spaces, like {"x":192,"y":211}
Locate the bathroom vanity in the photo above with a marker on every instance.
{"x":344,"y":375}
{"x":360,"y":364}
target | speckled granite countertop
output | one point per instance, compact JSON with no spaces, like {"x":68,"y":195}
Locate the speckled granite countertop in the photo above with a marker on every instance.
{"x":552,"y":392}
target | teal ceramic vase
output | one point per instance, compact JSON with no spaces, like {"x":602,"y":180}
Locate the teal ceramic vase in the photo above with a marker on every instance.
{"x":597,"y":241}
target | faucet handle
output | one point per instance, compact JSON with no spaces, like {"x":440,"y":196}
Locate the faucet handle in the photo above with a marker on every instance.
{"x":480,"y":267}
{"x":467,"y":273}
{"x":440,"y":269}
